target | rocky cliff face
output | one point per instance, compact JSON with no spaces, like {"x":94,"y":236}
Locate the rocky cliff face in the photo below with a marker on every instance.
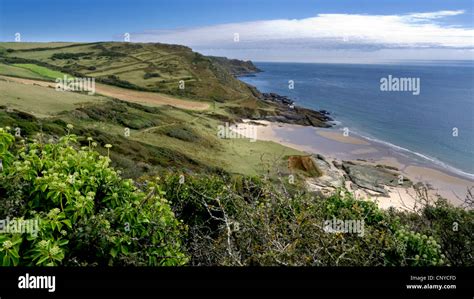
{"x":234,"y":66}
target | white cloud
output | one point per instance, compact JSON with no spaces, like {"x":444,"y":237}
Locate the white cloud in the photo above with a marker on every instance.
{"x":436,"y":14}
{"x":342,"y":32}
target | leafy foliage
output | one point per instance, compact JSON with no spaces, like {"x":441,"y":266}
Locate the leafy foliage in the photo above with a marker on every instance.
{"x":247,"y":221}
{"x":87,"y":214}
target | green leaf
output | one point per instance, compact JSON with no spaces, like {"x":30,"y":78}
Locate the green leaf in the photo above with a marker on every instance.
{"x":42,"y":260}
{"x":63,"y":242}
{"x":15,"y":260}
{"x":14,"y":254}
{"x":113,"y":252}
{"x":68,"y":223}
{"x":6,"y":260}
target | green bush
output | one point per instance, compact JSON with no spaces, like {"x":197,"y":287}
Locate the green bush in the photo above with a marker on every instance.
{"x":151,"y":75}
{"x":441,"y":225}
{"x":181,"y":132}
{"x":87,"y":214}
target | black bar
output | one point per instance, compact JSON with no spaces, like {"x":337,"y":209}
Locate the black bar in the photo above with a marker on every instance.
{"x":224,"y":282}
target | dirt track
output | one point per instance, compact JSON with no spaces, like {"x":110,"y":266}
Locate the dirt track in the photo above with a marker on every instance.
{"x":125,"y":94}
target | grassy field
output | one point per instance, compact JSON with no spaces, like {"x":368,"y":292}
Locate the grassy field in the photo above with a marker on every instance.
{"x":10,"y":70}
{"x":41,"y":71}
{"x":196,"y":135}
{"x":143,"y":97}
{"x":41,"y":101}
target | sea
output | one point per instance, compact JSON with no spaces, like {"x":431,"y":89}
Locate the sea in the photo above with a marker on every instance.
{"x":432,"y":123}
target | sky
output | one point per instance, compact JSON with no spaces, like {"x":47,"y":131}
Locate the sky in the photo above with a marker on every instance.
{"x":348,"y":31}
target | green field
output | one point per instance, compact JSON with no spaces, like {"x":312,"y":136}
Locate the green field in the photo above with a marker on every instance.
{"x":14,"y":71}
{"x":41,"y":71}
{"x":41,"y":101}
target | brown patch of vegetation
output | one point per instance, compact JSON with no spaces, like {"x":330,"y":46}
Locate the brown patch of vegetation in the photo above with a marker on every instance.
{"x":304,"y":164}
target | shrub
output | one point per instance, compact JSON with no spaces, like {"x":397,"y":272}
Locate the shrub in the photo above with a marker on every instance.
{"x":249,"y":221}
{"x":87,"y":214}
{"x":181,"y":132}
{"x":151,"y":75}
{"x":449,"y":228}
{"x":73,"y":56}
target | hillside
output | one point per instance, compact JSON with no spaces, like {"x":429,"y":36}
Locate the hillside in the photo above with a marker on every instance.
{"x":236,"y":67}
{"x":152,"y":67}
{"x":144,"y":66}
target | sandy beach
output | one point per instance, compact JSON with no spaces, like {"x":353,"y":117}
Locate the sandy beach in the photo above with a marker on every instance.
{"x":336,"y":146}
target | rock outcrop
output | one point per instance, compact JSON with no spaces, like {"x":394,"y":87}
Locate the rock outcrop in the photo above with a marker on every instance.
{"x":374,"y":178}
{"x":330,"y":179}
{"x":288,"y":112}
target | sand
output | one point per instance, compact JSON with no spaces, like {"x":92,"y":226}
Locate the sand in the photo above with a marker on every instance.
{"x":335,"y":146}
{"x":340,"y":137}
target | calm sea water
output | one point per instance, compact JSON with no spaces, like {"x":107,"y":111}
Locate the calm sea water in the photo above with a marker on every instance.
{"x":419,"y":125}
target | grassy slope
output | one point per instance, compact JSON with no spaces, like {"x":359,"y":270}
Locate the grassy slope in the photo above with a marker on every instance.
{"x":160,"y":137}
{"x":40,"y":70}
{"x":41,"y":101}
{"x":143,"y":97}
{"x":11,"y":70}
{"x":166,"y":66}
{"x":193,"y":135}
{"x":164,"y":137}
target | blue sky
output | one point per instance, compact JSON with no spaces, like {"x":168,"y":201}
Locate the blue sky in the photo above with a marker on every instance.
{"x":277,"y":30}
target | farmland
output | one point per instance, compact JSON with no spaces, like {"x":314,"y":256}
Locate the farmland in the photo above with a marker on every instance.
{"x":169,"y":69}
{"x":166,"y":130}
